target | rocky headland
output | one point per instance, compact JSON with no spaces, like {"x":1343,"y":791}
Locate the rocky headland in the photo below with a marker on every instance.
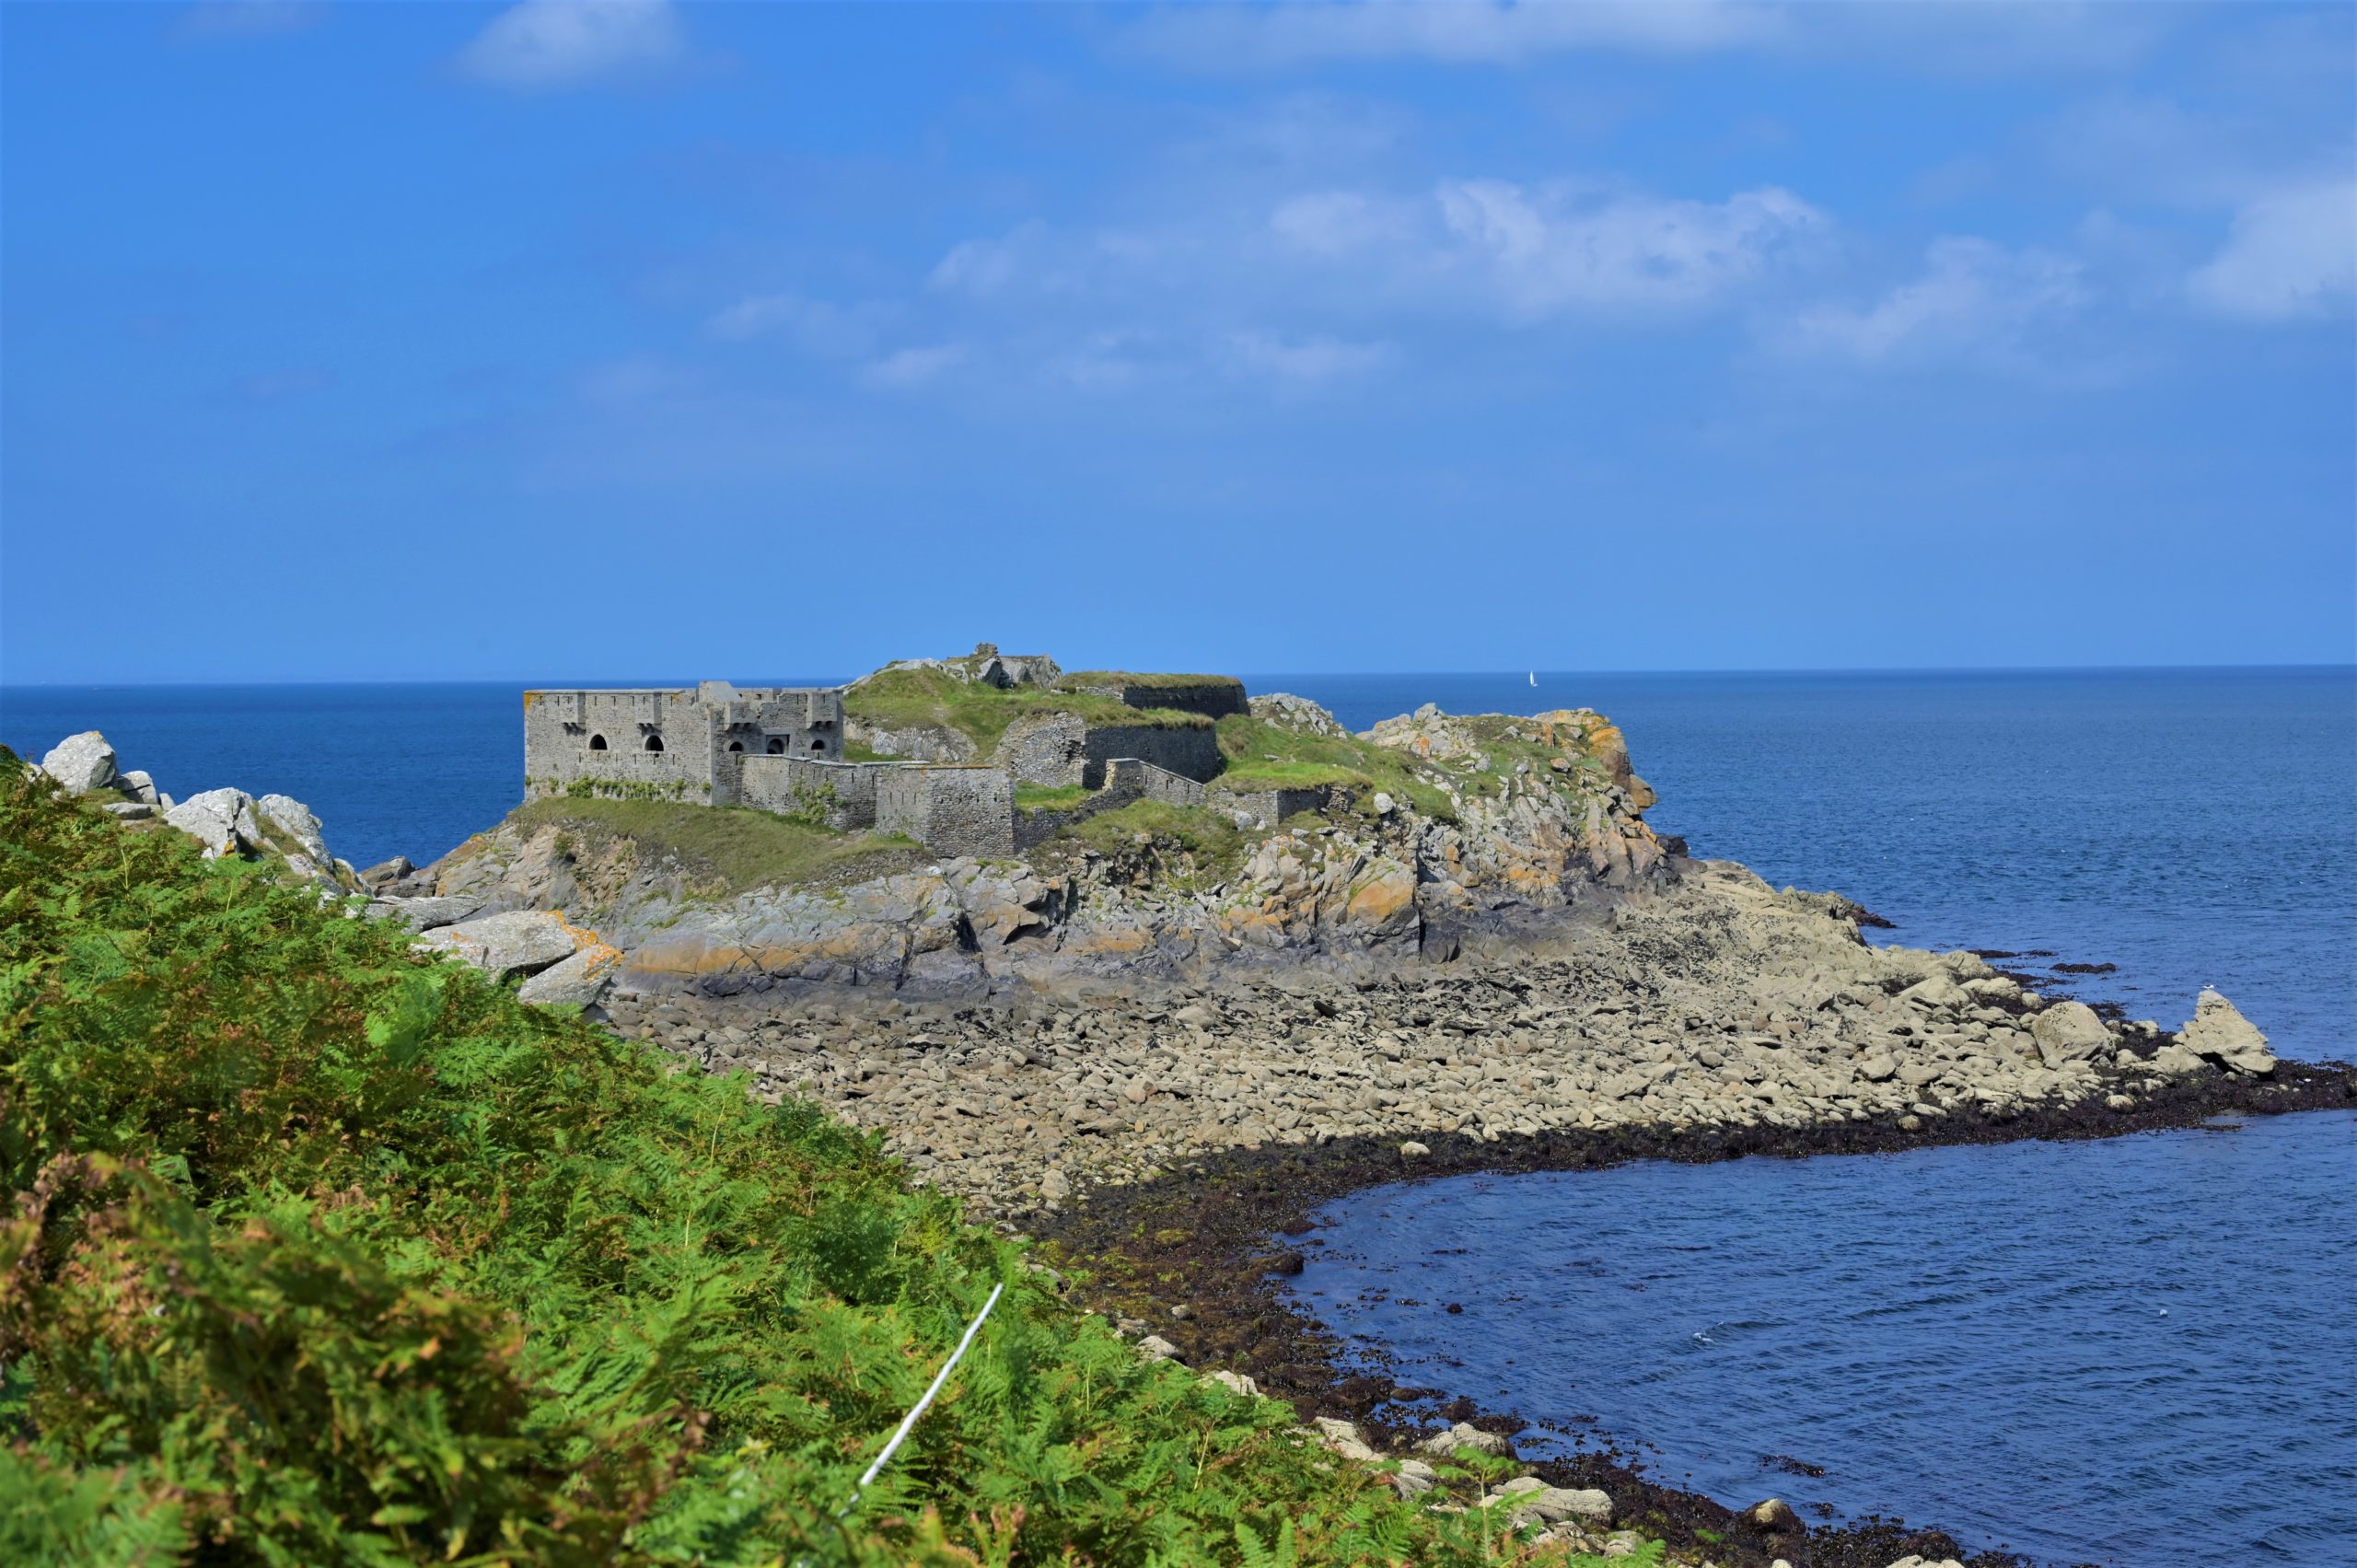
{"x":1160,"y":1036}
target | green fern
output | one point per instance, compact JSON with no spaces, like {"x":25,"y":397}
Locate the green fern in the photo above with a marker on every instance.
{"x":330,"y":1253}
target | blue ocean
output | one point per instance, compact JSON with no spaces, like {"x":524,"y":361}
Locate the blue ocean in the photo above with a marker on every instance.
{"x":1973,"y":1338}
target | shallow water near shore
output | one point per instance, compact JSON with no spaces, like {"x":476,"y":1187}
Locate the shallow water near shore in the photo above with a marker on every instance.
{"x":2133,"y":1351}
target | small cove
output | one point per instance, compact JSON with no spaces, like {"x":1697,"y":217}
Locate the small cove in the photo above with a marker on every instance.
{"x":2127,"y":1351}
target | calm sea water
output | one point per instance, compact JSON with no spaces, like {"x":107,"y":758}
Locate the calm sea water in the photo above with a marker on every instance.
{"x":2134,"y":1352}
{"x":1969,"y":1337}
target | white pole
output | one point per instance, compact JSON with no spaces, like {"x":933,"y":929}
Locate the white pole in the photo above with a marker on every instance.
{"x":910,"y":1420}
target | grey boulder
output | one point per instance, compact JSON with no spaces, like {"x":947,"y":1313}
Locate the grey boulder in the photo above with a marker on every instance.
{"x":2219,"y":1033}
{"x":220,"y":819}
{"x":424,"y":914}
{"x":577,"y":981}
{"x":81,"y":763}
{"x":1560,"y":1502}
{"x":1464,"y":1438}
{"x":295,"y":819}
{"x":139,"y":787}
{"x":520,"y":941}
{"x":2069,"y":1031}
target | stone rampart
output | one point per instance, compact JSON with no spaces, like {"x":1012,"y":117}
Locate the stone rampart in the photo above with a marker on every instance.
{"x":950,"y":810}
{"x":1271,"y":807}
{"x":1192,"y":753}
{"x":1126,"y":780}
{"x":1148,"y":780}
{"x":841,"y":795}
{"x":603,"y":737}
{"x":1214,"y":696}
{"x":684,"y":743}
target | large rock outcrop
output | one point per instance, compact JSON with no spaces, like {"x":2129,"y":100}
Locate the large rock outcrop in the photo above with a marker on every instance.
{"x":2218,"y":1032}
{"x":81,"y":763}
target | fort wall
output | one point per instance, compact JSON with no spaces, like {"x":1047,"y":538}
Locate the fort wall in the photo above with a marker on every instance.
{"x":603,"y":737}
{"x":950,"y":810}
{"x":1214,"y":696}
{"x":1192,"y":753}
{"x":1271,"y":807}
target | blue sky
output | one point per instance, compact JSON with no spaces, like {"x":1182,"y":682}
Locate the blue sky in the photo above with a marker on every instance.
{"x":570,"y":339}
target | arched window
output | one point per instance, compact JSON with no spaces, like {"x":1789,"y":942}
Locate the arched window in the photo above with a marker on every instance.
{"x":597,"y":743}
{"x":818,"y":746}
{"x":654,"y":742}
{"x":736,"y":746}
{"x":776,"y":747}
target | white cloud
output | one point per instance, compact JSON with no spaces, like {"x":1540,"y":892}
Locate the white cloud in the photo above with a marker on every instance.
{"x":1468,"y":32}
{"x":2290,"y":254}
{"x":815,"y":326}
{"x":1975,"y":303}
{"x":1949,"y":39}
{"x":1335,"y":223}
{"x":905,"y":369}
{"x":547,"y":45}
{"x":1304,"y":361}
{"x":1033,"y":259}
{"x":986,"y":267}
{"x":1552,"y":254}
{"x":1107,"y":362}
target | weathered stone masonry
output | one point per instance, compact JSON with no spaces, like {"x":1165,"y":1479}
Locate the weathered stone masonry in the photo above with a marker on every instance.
{"x":779,"y":749}
{"x":949,"y":808}
{"x":683,"y":744}
{"x":1056,"y":749}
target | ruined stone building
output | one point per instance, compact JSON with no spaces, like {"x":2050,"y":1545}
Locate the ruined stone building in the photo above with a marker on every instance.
{"x":685,"y":744}
{"x":780,"y":749}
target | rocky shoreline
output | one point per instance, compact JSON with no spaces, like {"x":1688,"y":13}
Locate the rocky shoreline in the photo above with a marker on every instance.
{"x":1713,"y":1003}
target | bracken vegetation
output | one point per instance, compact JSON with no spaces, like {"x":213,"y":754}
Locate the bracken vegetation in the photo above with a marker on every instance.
{"x":323,"y":1252}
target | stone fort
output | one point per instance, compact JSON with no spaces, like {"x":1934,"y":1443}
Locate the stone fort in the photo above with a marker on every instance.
{"x":781,"y":748}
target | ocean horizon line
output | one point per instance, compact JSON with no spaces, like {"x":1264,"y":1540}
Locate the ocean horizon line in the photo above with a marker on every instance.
{"x":1859,"y":671}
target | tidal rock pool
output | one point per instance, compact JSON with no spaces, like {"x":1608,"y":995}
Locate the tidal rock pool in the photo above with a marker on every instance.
{"x":2135,"y":1350}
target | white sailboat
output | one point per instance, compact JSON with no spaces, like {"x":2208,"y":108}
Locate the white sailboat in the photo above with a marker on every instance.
{"x":1534,"y":677}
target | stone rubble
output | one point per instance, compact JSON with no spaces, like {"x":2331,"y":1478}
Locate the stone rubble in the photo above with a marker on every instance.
{"x":1719,"y":1002}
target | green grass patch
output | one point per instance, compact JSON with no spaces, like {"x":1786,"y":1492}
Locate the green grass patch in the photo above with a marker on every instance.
{"x":726,"y":849}
{"x":1249,"y":777}
{"x":1199,"y":845}
{"x":330,"y":1252}
{"x":1086,"y":680}
{"x":905,"y":699}
{"x":1259,"y":750}
{"x":1049,"y":797}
